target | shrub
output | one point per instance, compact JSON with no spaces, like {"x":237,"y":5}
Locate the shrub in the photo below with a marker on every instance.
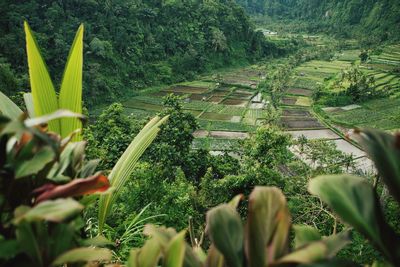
{"x":262,"y":241}
{"x":40,"y":220}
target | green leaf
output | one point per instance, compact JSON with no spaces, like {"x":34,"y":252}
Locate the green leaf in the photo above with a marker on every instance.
{"x":43,"y":93}
{"x":52,"y":117}
{"x":384,"y":150}
{"x":124,"y":167}
{"x":98,"y":241}
{"x":28,"y":242}
{"x":83,"y":255}
{"x":71,"y":87}
{"x":149,"y":254}
{"x":235,"y":201}
{"x":335,"y":243}
{"x":214,"y":257}
{"x":267,"y":227}
{"x":9,"y":108}
{"x":175,"y":251}
{"x":317,"y":251}
{"x":356,"y":202}
{"x":8,"y":249}
{"x":225,"y":228}
{"x":311,"y":253}
{"x":40,"y":159}
{"x":133,"y":258}
{"x":51,"y":210}
{"x":28,"y":99}
{"x":305,"y":234}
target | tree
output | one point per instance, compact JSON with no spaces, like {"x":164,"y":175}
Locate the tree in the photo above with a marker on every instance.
{"x":267,"y":148}
{"x":364,"y":56}
{"x":358,"y":85}
{"x":172,"y":146}
{"x":111,"y":134}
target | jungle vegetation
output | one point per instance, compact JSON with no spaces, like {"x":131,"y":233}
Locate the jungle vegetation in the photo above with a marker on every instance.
{"x":129,"y":187}
{"x":377,"y":19}
{"x":130,"y":44}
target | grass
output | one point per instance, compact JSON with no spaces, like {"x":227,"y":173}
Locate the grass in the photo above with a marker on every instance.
{"x":225,"y":126}
{"x":379,"y":113}
{"x":232,"y":110}
{"x":216,"y":116}
{"x":199,"y":84}
{"x":146,"y":99}
{"x":142,"y":105}
{"x":140,"y":113}
{"x":196,"y":105}
{"x":348,"y":55}
{"x":216,"y":144}
{"x":303,"y":101}
{"x":255,"y":114}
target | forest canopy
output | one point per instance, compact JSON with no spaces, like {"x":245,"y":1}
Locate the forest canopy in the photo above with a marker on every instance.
{"x":129,"y":44}
{"x":381,"y":17}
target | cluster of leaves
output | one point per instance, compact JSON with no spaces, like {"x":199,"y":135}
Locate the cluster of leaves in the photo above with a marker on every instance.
{"x":358,"y":85}
{"x":262,"y":241}
{"x":259,"y":244}
{"x":324,"y":157}
{"x":355,"y":200}
{"x":39,"y":174}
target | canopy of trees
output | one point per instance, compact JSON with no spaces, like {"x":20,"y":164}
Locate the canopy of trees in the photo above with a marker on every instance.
{"x":381,"y":17}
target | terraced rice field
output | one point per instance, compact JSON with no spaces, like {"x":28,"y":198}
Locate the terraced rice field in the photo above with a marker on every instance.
{"x":379,"y":113}
{"x":297,"y":116}
{"x":383,"y":113}
{"x":225,"y":110}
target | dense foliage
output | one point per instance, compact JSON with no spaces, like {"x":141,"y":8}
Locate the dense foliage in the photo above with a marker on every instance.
{"x":377,"y":18}
{"x":129,"y":44}
{"x":40,"y":220}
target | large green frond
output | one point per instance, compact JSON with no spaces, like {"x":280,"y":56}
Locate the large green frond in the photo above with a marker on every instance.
{"x":71,"y":87}
{"x":126,"y":164}
{"x":43,"y":93}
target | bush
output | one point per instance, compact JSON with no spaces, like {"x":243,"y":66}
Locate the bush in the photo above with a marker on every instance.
{"x":174,"y":198}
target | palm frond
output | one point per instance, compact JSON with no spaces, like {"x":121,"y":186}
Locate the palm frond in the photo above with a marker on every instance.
{"x":71,"y":87}
{"x":43,"y":93}
{"x":126,"y":164}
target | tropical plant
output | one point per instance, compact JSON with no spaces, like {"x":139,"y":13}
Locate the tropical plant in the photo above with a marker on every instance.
{"x":124,"y":167}
{"x":41,"y":177}
{"x":44,"y":100}
{"x":263,"y":241}
{"x":355,"y":200}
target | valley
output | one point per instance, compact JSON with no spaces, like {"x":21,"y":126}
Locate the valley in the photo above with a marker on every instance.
{"x":229,"y":105}
{"x":200,"y":133}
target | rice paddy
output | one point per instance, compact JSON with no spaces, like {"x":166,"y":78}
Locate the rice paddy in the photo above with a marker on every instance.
{"x":224,"y":107}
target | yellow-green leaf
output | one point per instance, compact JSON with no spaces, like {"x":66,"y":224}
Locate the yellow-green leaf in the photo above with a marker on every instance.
{"x":28,"y":99}
{"x":43,"y":93}
{"x":126,"y":164}
{"x":175,"y":251}
{"x":71,"y":87}
{"x":9,"y":108}
{"x":83,"y":255}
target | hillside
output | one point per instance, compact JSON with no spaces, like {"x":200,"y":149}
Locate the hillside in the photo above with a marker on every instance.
{"x":343,"y":17}
{"x":129,"y":44}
